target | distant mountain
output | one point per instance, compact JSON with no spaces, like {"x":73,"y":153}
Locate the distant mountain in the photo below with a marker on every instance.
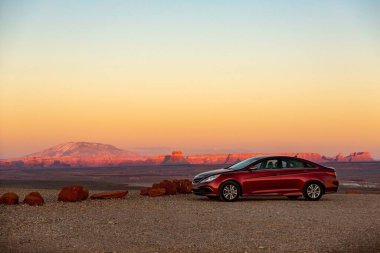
{"x":76,"y":154}
{"x":88,"y":154}
{"x":84,"y":149}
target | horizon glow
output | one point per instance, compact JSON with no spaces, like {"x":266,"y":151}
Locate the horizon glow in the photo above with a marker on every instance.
{"x":198,"y":76}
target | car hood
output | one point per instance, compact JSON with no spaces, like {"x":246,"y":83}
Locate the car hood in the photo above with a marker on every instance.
{"x":212,"y":172}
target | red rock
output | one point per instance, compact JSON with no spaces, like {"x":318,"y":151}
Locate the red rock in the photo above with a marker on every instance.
{"x":155,"y":192}
{"x":73,"y":194}
{"x":183,"y":186}
{"x":34,"y":199}
{"x":169,"y":186}
{"x":110,"y":195}
{"x":9,"y":198}
{"x":359,"y":157}
{"x":155,"y":185}
{"x":186,"y":187}
{"x":144,"y":191}
{"x":340,"y":158}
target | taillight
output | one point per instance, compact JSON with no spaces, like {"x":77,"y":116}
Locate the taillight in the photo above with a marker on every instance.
{"x":332,"y":171}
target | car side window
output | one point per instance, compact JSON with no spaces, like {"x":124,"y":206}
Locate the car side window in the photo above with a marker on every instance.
{"x":290,"y":163}
{"x":255,"y":167}
{"x":269,"y":164}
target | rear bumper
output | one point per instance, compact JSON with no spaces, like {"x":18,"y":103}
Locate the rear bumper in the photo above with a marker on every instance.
{"x":332,"y":187}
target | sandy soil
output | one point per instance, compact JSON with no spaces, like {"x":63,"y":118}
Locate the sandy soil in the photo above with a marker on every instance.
{"x":186,"y":223}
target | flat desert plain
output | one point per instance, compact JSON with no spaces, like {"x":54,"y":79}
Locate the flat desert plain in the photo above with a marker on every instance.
{"x":187,"y":223}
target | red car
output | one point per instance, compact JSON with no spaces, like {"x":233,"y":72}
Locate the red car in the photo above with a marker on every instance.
{"x":267,"y":176}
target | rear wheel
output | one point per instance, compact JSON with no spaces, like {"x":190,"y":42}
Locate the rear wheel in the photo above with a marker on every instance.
{"x":313,"y":191}
{"x":230,"y":191}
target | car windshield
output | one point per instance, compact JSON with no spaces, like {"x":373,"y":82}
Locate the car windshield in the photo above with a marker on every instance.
{"x":243,"y":164}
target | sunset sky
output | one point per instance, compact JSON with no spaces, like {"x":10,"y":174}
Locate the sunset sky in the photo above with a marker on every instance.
{"x":199,"y":76}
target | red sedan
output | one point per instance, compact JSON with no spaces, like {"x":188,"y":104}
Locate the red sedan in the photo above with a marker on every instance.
{"x":267,"y":176}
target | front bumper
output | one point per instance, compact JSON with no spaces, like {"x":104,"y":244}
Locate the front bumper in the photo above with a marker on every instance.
{"x":206,"y":189}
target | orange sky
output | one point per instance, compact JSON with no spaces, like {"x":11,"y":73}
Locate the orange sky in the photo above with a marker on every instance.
{"x":211,"y":86}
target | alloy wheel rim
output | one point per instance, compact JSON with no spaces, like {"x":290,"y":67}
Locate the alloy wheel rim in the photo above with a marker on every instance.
{"x":230,"y":192}
{"x":313,"y":191}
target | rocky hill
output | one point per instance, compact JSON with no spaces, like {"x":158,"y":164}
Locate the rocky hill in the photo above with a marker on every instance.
{"x":85,"y":149}
{"x":78,"y":154}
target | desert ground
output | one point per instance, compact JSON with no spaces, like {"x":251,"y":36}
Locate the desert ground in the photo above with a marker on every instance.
{"x":187,"y":223}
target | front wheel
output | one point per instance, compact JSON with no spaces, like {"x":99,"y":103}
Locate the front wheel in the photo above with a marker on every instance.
{"x":313,"y":191}
{"x":229,"y":191}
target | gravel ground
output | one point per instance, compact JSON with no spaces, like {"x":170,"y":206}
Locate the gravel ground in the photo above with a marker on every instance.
{"x":186,"y":223}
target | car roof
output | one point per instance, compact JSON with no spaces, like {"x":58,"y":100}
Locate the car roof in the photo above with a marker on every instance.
{"x":276,"y":156}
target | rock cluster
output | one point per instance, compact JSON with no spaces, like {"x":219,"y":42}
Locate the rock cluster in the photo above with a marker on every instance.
{"x":68,"y":194}
{"x":11,"y":198}
{"x":184,"y":186}
{"x":77,"y":193}
{"x":167,"y":187}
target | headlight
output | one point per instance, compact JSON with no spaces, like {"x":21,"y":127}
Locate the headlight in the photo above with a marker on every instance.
{"x":209,"y":179}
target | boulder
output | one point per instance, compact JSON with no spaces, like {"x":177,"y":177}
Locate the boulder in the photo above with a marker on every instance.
{"x":9,"y":198}
{"x":183,"y":186}
{"x":169,"y":186}
{"x":155,"y":192}
{"x":144,"y":191}
{"x":73,"y":194}
{"x":34,"y":199}
{"x":110,"y":195}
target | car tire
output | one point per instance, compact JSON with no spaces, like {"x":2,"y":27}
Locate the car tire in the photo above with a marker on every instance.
{"x":229,"y":191}
{"x":313,"y":191}
{"x":213,"y":197}
{"x":293,"y":197}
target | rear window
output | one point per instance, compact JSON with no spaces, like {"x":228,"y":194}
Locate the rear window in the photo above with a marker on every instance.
{"x":309,"y":165}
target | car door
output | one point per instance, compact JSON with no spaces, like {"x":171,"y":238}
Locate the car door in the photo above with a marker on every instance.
{"x":262,"y":177}
{"x":289,"y":179}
